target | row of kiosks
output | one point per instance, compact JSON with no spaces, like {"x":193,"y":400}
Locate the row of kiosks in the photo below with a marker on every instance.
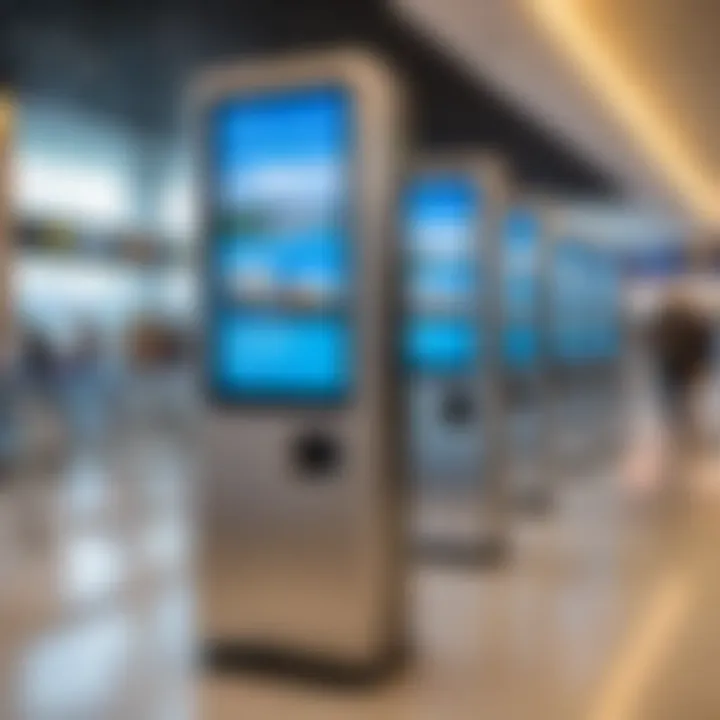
{"x":527,"y":241}
{"x":452,"y":213}
{"x":372,"y":330}
{"x":586,"y":360}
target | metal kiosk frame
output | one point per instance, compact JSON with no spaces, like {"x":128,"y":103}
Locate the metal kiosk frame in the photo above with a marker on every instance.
{"x":605,"y":376}
{"x":302,"y":566}
{"x":487,"y":542}
{"x":535,"y":387}
{"x":568,"y":383}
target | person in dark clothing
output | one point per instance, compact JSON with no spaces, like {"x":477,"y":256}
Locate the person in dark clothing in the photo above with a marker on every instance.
{"x":84,"y":399}
{"x":40,"y":363}
{"x":683,"y":346}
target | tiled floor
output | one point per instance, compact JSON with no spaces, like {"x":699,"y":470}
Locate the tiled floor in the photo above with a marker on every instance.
{"x":607,"y":609}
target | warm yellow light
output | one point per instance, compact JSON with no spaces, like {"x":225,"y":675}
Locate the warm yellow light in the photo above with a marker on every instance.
{"x":645,"y":648}
{"x":630,"y":102}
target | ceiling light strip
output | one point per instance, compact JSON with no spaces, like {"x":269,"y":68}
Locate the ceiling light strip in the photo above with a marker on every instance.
{"x":626,"y":98}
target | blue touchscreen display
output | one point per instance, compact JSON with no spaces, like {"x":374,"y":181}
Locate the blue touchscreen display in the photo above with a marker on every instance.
{"x":279,"y":256}
{"x":521,"y":264}
{"x":571,"y":303}
{"x":442,"y":289}
{"x":606,"y":291}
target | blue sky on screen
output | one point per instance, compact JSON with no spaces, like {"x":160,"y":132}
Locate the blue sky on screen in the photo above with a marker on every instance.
{"x":442,"y":345}
{"x":520,"y":342}
{"x":440,"y":217}
{"x":312,"y":255}
{"x":280,"y":148}
{"x":440,"y":213}
{"x":586,"y":325}
{"x":270,"y":354}
{"x":521,"y":238}
{"x":285,"y":155}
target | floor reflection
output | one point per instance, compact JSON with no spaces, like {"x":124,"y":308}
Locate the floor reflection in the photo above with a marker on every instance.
{"x":96,"y":605}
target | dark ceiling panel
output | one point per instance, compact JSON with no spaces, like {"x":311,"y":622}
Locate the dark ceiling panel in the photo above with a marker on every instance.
{"x":132,"y":60}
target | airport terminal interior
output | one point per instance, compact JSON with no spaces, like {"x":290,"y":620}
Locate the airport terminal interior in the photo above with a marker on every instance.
{"x":359,"y":359}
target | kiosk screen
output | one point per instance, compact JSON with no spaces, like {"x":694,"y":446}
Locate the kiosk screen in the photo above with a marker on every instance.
{"x":280,"y":260}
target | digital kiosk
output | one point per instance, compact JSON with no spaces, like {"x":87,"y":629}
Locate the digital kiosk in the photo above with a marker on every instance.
{"x":301,"y":550}
{"x":576,"y":370}
{"x":524,"y":274}
{"x":451,"y":211}
{"x":604,"y":353}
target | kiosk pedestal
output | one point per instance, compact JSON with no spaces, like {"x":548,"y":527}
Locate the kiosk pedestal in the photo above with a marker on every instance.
{"x":451,"y":217}
{"x":525,"y":279}
{"x":301,"y":561}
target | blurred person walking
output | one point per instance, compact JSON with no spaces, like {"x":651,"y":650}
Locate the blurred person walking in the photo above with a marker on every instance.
{"x":42,"y":402}
{"x":83,"y":388}
{"x":39,"y":364}
{"x":10,"y":439}
{"x":682,"y":345}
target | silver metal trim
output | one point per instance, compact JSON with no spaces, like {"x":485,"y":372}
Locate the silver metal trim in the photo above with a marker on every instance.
{"x":489,"y":529}
{"x":329,"y":579}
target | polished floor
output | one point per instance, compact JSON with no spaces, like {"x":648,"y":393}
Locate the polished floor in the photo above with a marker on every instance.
{"x":607,"y":609}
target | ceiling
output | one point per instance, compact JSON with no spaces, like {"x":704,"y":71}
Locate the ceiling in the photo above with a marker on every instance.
{"x":632,"y":85}
{"x":672,"y":47}
{"x":132,"y":59}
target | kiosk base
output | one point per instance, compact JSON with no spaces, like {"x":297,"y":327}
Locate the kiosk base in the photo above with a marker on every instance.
{"x":228,"y":657}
